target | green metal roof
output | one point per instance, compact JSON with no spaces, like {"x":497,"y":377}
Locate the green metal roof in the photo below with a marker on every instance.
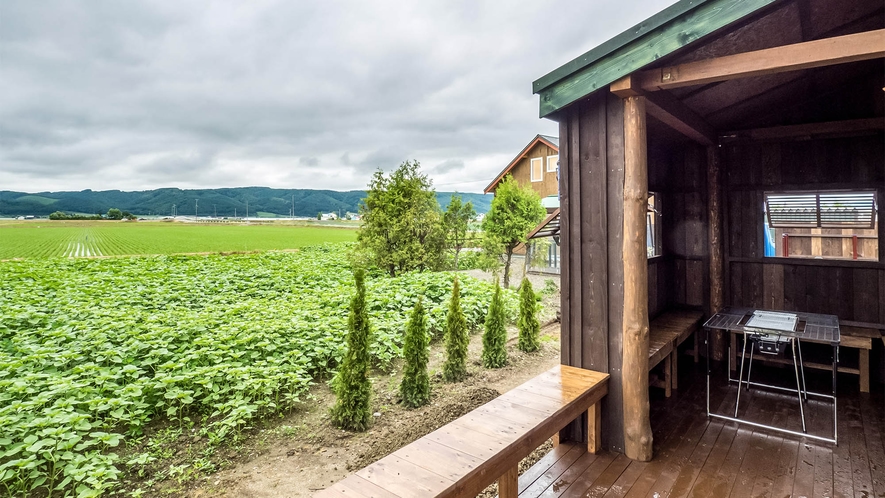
{"x":662,"y":34}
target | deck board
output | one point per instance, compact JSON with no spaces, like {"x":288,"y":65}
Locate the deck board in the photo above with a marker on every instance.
{"x":697,"y":457}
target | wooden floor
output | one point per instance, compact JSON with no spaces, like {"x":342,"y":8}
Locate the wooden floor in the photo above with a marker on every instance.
{"x":698,"y":457}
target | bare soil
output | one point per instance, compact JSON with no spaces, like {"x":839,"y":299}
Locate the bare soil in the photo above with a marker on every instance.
{"x":306,"y":453}
{"x":298,"y":454}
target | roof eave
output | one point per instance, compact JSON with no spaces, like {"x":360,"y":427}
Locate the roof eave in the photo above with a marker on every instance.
{"x":662,"y":34}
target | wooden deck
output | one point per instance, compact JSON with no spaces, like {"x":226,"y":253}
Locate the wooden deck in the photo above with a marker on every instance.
{"x":700,"y":458}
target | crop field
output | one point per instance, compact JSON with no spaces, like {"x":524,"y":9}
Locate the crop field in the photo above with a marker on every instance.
{"x":70,"y":239}
{"x":94,"y":350}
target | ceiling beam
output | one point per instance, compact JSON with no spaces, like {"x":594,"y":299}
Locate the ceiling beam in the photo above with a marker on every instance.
{"x":667,"y":109}
{"x":808,"y":131}
{"x":818,"y":53}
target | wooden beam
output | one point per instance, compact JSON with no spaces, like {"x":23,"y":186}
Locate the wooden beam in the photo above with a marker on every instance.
{"x":668,"y":110}
{"x":806,"y":55}
{"x":714,"y":214}
{"x":807,"y":131}
{"x":634,"y":369}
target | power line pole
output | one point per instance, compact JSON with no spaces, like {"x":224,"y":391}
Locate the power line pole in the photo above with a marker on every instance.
{"x":247,"y":209}
{"x":216,"y":210}
{"x":196,"y":204}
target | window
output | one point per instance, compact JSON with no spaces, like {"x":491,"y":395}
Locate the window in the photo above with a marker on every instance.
{"x":822,"y":225}
{"x":653,"y":225}
{"x":537,"y":171}
{"x":551,"y":163}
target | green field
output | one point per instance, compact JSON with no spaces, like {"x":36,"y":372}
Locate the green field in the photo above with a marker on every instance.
{"x":93,"y":351}
{"x":51,"y":239}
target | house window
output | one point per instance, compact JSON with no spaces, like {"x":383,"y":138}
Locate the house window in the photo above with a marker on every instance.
{"x":551,"y":163}
{"x":822,"y":225}
{"x":537,"y":171}
{"x":653,"y":225}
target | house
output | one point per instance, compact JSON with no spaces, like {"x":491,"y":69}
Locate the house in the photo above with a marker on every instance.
{"x":536,"y":166}
{"x":717,"y":109}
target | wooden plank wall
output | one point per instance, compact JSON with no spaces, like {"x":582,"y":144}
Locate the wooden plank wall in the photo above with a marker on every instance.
{"x":592,"y":181}
{"x":852,"y":290}
{"x":680,"y":278}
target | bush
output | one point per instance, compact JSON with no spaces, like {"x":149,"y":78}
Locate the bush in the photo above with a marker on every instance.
{"x":415,"y":387}
{"x":455,"y":367}
{"x":529,"y":328}
{"x":494,"y":340}
{"x":352,"y":410}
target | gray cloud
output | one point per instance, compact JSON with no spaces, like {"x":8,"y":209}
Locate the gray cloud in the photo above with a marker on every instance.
{"x":448,"y":166}
{"x":149,"y":93}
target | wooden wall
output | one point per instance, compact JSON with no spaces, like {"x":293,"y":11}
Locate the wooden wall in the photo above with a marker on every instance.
{"x":852,"y":290}
{"x":680,"y":277}
{"x":522,"y":171}
{"x":592,"y":142}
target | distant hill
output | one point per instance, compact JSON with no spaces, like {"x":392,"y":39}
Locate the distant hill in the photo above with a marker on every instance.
{"x":224,"y":201}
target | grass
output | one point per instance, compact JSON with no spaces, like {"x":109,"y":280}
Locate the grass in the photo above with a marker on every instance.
{"x":49,"y":239}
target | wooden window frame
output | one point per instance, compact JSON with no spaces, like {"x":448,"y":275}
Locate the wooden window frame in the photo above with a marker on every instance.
{"x":540,"y":169}
{"x":657,"y":233}
{"x":555,"y":162}
{"x":821,"y":223}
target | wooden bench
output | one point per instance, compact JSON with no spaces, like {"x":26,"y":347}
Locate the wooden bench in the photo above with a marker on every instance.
{"x":463,"y":457}
{"x":860,"y":338}
{"x":666,"y":333}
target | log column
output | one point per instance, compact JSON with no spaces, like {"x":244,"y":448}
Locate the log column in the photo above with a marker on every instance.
{"x":637,"y":426}
{"x":714,"y":205}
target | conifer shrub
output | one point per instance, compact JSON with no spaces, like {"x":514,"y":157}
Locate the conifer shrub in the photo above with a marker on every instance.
{"x":455,"y":367}
{"x":494,"y":340}
{"x":352,"y":410}
{"x":529,"y":328}
{"x":415,"y":387}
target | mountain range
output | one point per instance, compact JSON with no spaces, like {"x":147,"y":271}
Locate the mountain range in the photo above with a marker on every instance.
{"x":260,"y":201}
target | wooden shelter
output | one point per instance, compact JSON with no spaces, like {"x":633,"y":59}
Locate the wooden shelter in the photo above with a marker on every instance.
{"x":712,"y":105}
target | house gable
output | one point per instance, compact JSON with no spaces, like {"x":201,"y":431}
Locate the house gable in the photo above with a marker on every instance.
{"x":541,"y":147}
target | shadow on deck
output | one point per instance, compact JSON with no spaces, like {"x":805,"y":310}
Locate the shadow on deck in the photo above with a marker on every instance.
{"x":698,"y":457}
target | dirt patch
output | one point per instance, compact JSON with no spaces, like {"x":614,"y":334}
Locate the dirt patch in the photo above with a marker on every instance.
{"x":303,"y":453}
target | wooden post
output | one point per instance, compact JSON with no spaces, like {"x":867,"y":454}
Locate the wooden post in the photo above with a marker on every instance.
{"x":594,"y":429}
{"x":508,"y":484}
{"x":717,"y":294}
{"x":637,"y":426}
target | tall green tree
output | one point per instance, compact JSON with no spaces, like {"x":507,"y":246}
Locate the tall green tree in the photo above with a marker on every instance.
{"x":455,"y":367}
{"x":402,"y":222}
{"x":415,"y":386}
{"x":115,"y":214}
{"x":529,"y":327}
{"x":514,"y":212}
{"x":494,"y":339}
{"x":352,"y":410}
{"x":457,"y":220}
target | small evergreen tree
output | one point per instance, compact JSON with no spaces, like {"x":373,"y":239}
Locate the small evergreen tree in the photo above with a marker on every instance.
{"x":455,"y":367}
{"x":415,"y":387}
{"x":352,"y":410}
{"x":494,"y":340}
{"x":529,"y":328}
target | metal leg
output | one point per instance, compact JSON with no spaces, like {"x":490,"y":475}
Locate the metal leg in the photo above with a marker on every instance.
{"x":749,"y":368}
{"x":707,"y":345}
{"x":737,"y":403}
{"x":802,"y":369}
{"x":798,"y":387}
{"x":835,"y":371}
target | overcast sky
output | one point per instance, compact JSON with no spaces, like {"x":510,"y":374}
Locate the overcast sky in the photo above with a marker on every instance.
{"x":140,"y":94}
